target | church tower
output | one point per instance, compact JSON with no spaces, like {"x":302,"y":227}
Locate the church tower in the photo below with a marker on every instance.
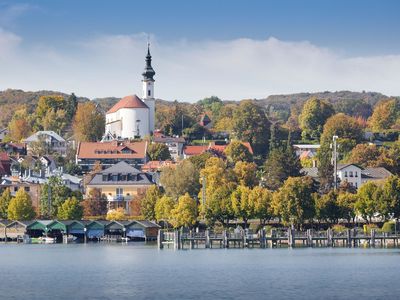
{"x":148,"y":88}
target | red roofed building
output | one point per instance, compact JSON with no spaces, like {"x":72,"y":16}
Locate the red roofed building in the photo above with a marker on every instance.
{"x":157,"y":165}
{"x":110,"y":153}
{"x":190,"y":150}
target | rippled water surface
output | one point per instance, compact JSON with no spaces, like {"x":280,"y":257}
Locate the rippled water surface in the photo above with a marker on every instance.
{"x":137,"y":271}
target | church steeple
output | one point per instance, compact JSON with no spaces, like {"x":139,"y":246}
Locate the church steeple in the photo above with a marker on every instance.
{"x":148,"y":72}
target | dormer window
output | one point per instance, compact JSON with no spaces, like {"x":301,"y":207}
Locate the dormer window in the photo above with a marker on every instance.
{"x":105,"y":177}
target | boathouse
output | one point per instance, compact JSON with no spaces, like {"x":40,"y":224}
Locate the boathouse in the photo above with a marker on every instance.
{"x":16,"y":230}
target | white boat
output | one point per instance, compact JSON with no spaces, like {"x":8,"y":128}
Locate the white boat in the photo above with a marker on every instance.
{"x":47,"y":240}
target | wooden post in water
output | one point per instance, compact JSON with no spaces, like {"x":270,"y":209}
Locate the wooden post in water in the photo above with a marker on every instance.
{"x":263,"y":240}
{"x":243,"y":233}
{"x":191,"y":240}
{"x":207,"y":239}
{"x":372,"y":241}
{"x":329,"y":237}
{"x":225,"y":239}
{"x":291,"y":238}
{"x":309,"y":238}
{"x":348,"y":239}
{"x":160,"y":239}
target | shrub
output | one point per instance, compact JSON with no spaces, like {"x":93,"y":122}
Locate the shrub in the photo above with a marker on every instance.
{"x":388,"y":227}
{"x":339,"y":228}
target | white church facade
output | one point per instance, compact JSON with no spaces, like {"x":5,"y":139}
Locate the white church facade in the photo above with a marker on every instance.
{"x":132,"y":117}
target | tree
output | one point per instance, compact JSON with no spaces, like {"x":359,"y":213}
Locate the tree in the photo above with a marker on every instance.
{"x":89,"y":123}
{"x":236,"y":151}
{"x":199,"y":161}
{"x":71,"y":105}
{"x":116,"y":214}
{"x":250,"y":124}
{"x":180,"y":179}
{"x":149,"y":201}
{"x":313,"y":117}
{"x":384,"y":115}
{"x":246,"y":173}
{"x":327,"y":208}
{"x":390,"y":201}
{"x":185,"y":212}
{"x":242,"y":207}
{"x":158,"y":151}
{"x":55,"y":193}
{"x":262,"y":201}
{"x":5,"y":200}
{"x":55,"y":120}
{"x":364,"y":155}
{"x":95,"y":204}
{"x":20,"y":126}
{"x":280,"y":165}
{"x":71,"y":209}
{"x":368,"y":200}
{"x":218,"y":205}
{"x":346,"y":202}
{"x":20,"y":207}
{"x":163,"y":208}
{"x":294,"y":202}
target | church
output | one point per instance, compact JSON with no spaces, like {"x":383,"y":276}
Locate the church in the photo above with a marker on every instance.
{"x":132,"y":117}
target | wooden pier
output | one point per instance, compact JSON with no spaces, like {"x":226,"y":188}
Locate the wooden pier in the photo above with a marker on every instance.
{"x":277,"y":238}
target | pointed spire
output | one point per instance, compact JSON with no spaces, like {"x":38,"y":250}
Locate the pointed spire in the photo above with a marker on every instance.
{"x":148,"y":72}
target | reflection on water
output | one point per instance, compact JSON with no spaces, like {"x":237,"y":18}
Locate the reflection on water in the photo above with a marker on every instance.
{"x":138,"y":271}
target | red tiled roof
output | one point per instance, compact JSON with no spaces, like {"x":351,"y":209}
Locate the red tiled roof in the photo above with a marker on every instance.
{"x":221,"y":148}
{"x":97,"y":150}
{"x":131,"y":101}
{"x":194,"y":150}
{"x":4,"y":156}
{"x":156,"y":165}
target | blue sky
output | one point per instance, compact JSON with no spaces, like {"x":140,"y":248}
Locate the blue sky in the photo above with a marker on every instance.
{"x":201,"y":47}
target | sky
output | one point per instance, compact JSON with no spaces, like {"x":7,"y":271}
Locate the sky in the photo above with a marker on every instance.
{"x":228,"y":48}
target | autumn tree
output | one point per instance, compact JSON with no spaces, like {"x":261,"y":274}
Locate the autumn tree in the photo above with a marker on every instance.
{"x":262,"y":201}
{"x":54,"y":192}
{"x":95,"y":204}
{"x":250,"y":124}
{"x":163,"y":208}
{"x":149,"y":201}
{"x":5,"y":200}
{"x":218,"y":205}
{"x":116,"y":214}
{"x":20,"y":207}
{"x":184,"y":214}
{"x":20,"y":126}
{"x":390,"y":200}
{"x":71,"y":209}
{"x":246,"y":173}
{"x":364,"y":155}
{"x":313,"y":117}
{"x":241,"y":203}
{"x":384,"y":115}
{"x":88,"y":123}
{"x":158,"y":151}
{"x":236,"y":151}
{"x":294,"y":202}
{"x":180,"y":179}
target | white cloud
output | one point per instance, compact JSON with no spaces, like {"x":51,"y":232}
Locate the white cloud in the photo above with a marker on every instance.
{"x":233,"y":69}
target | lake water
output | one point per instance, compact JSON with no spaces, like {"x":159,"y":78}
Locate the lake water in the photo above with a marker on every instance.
{"x":137,"y":271}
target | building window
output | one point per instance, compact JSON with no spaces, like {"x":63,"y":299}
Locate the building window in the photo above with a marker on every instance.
{"x":355,"y":174}
{"x":351,"y":173}
{"x":115,"y":178}
{"x":119,"y":192}
{"x":105,"y":177}
{"x":345,"y":173}
{"x":356,"y":184}
{"x":27,"y":189}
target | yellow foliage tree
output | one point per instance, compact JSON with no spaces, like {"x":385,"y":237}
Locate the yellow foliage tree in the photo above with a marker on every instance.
{"x":185,"y":212}
{"x":116,"y":214}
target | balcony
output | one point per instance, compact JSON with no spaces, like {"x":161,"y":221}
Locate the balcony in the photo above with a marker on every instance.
{"x":116,"y":198}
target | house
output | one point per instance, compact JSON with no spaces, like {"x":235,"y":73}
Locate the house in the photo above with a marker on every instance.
{"x":157,"y":165}
{"x":205,"y":121}
{"x":16,"y":149}
{"x":174,"y":144}
{"x":120,"y":184}
{"x":220,"y":146}
{"x":14,"y":184}
{"x":306,"y":151}
{"x":110,"y":153}
{"x":353,"y":174}
{"x":53,"y":141}
{"x":190,"y":150}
